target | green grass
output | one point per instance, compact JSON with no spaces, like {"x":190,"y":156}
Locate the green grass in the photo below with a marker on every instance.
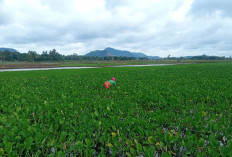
{"x":172,"y":110}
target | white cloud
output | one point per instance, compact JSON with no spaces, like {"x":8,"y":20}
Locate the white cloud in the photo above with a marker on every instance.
{"x":154,"y":27}
{"x":181,"y":12}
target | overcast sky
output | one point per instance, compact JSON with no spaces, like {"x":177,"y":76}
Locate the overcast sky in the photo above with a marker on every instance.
{"x":153,"y":27}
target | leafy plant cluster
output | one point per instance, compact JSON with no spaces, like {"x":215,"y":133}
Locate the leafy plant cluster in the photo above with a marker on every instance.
{"x":181,"y":110}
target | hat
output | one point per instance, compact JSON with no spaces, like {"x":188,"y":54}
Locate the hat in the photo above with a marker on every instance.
{"x":113,"y":79}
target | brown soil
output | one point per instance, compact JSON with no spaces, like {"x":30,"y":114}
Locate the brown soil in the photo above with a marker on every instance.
{"x":28,"y":65}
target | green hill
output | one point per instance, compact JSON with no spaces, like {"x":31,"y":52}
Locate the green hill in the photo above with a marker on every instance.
{"x":114,"y":52}
{"x":8,"y":49}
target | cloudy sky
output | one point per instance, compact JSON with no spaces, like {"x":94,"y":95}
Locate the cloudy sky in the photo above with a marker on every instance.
{"x":153,"y":27}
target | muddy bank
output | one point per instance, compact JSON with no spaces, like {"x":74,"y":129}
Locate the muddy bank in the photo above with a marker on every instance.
{"x":56,"y":68}
{"x":28,"y":65}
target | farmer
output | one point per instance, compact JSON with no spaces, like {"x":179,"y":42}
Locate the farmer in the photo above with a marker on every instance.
{"x":110,"y":82}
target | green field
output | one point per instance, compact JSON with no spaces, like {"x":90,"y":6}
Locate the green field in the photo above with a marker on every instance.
{"x":178,"y":110}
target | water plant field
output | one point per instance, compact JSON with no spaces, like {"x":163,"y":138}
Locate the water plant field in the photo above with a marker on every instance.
{"x":179,"y":110}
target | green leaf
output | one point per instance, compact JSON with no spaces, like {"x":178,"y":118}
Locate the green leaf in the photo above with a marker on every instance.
{"x":199,"y":154}
{"x":28,"y":143}
{"x":52,"y":143}
{"x":129,"y":142}
{"x":62,"y":136}
{"x":216,"y":127}
{"x":151,"y":140}
{"x":109,"y":145}
{"x":133,"y":152}
{"x":8,"y":147}
{"x":92,"y":151}
{"x":225,"y":151}
{"x":128,"y":154}
{"x":61,"y":121}
{"x":166,"y":154}
{"x":78,"y":143}
{"x":201,"y":142}
{"x":139,"y":147}
{"x":1,"y":152}
{"x":88,"y":142}
{"x":96,"y":113}
{"x":82,"y":136}
{"x":18,"y":138}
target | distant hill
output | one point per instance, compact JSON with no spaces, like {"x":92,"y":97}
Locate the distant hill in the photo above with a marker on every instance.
{"x":154,"y":57}
{"x":187,"y":57}
{"x":99,"y":53}
{"x":113,"y":52}
{"x":8,"y":49}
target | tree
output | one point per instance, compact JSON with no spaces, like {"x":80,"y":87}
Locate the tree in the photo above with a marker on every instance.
{"x":2,"y":57}
{"x":32,"y":55}
{"x":44,"y":56}
{"x":55,"y":56}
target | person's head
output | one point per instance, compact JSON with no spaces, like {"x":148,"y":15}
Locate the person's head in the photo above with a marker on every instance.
{"x":113,"y":79}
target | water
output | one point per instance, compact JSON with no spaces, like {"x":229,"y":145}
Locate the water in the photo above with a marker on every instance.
{"x":31,"y":69}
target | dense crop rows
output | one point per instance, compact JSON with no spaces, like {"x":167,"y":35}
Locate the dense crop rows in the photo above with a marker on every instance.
{"x":169,"y":111}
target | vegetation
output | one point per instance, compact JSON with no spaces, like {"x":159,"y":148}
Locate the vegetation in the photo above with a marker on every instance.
{"x":180,"y":110}
{"x":54,"y":56}
{"x":204,"y":57}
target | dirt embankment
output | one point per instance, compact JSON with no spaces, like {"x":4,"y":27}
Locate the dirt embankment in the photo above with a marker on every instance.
{"x":28,"y":65}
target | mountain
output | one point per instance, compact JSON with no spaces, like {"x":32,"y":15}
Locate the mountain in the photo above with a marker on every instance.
{"x":154,"y":57}
{"x":8,"y":49}
{"x":124,"y":53}
{"x":99,"y":53}
{"x":188,"y":57}
{"x":113,"y":52}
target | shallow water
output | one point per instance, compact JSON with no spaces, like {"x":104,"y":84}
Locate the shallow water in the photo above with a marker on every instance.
{"x":30,"y":69}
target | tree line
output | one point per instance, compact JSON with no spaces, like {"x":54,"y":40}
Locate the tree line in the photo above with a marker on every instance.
{"x":33,"y":56}
{"x":201,"y":57}
{"x":53,"y":55}
{"x":205,"y":57}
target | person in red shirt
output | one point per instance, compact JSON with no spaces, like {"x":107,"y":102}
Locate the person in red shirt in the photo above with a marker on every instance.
{"x":107,"y":84}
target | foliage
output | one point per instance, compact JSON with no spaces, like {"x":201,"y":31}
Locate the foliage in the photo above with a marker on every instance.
{"x":53,"y":55}
{"x":181,"y":110}
{"x":32,"y":56}
{"x":205,"y":57}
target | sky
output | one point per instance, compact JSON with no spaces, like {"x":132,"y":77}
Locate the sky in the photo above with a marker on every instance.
{"x":153,"y":27}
